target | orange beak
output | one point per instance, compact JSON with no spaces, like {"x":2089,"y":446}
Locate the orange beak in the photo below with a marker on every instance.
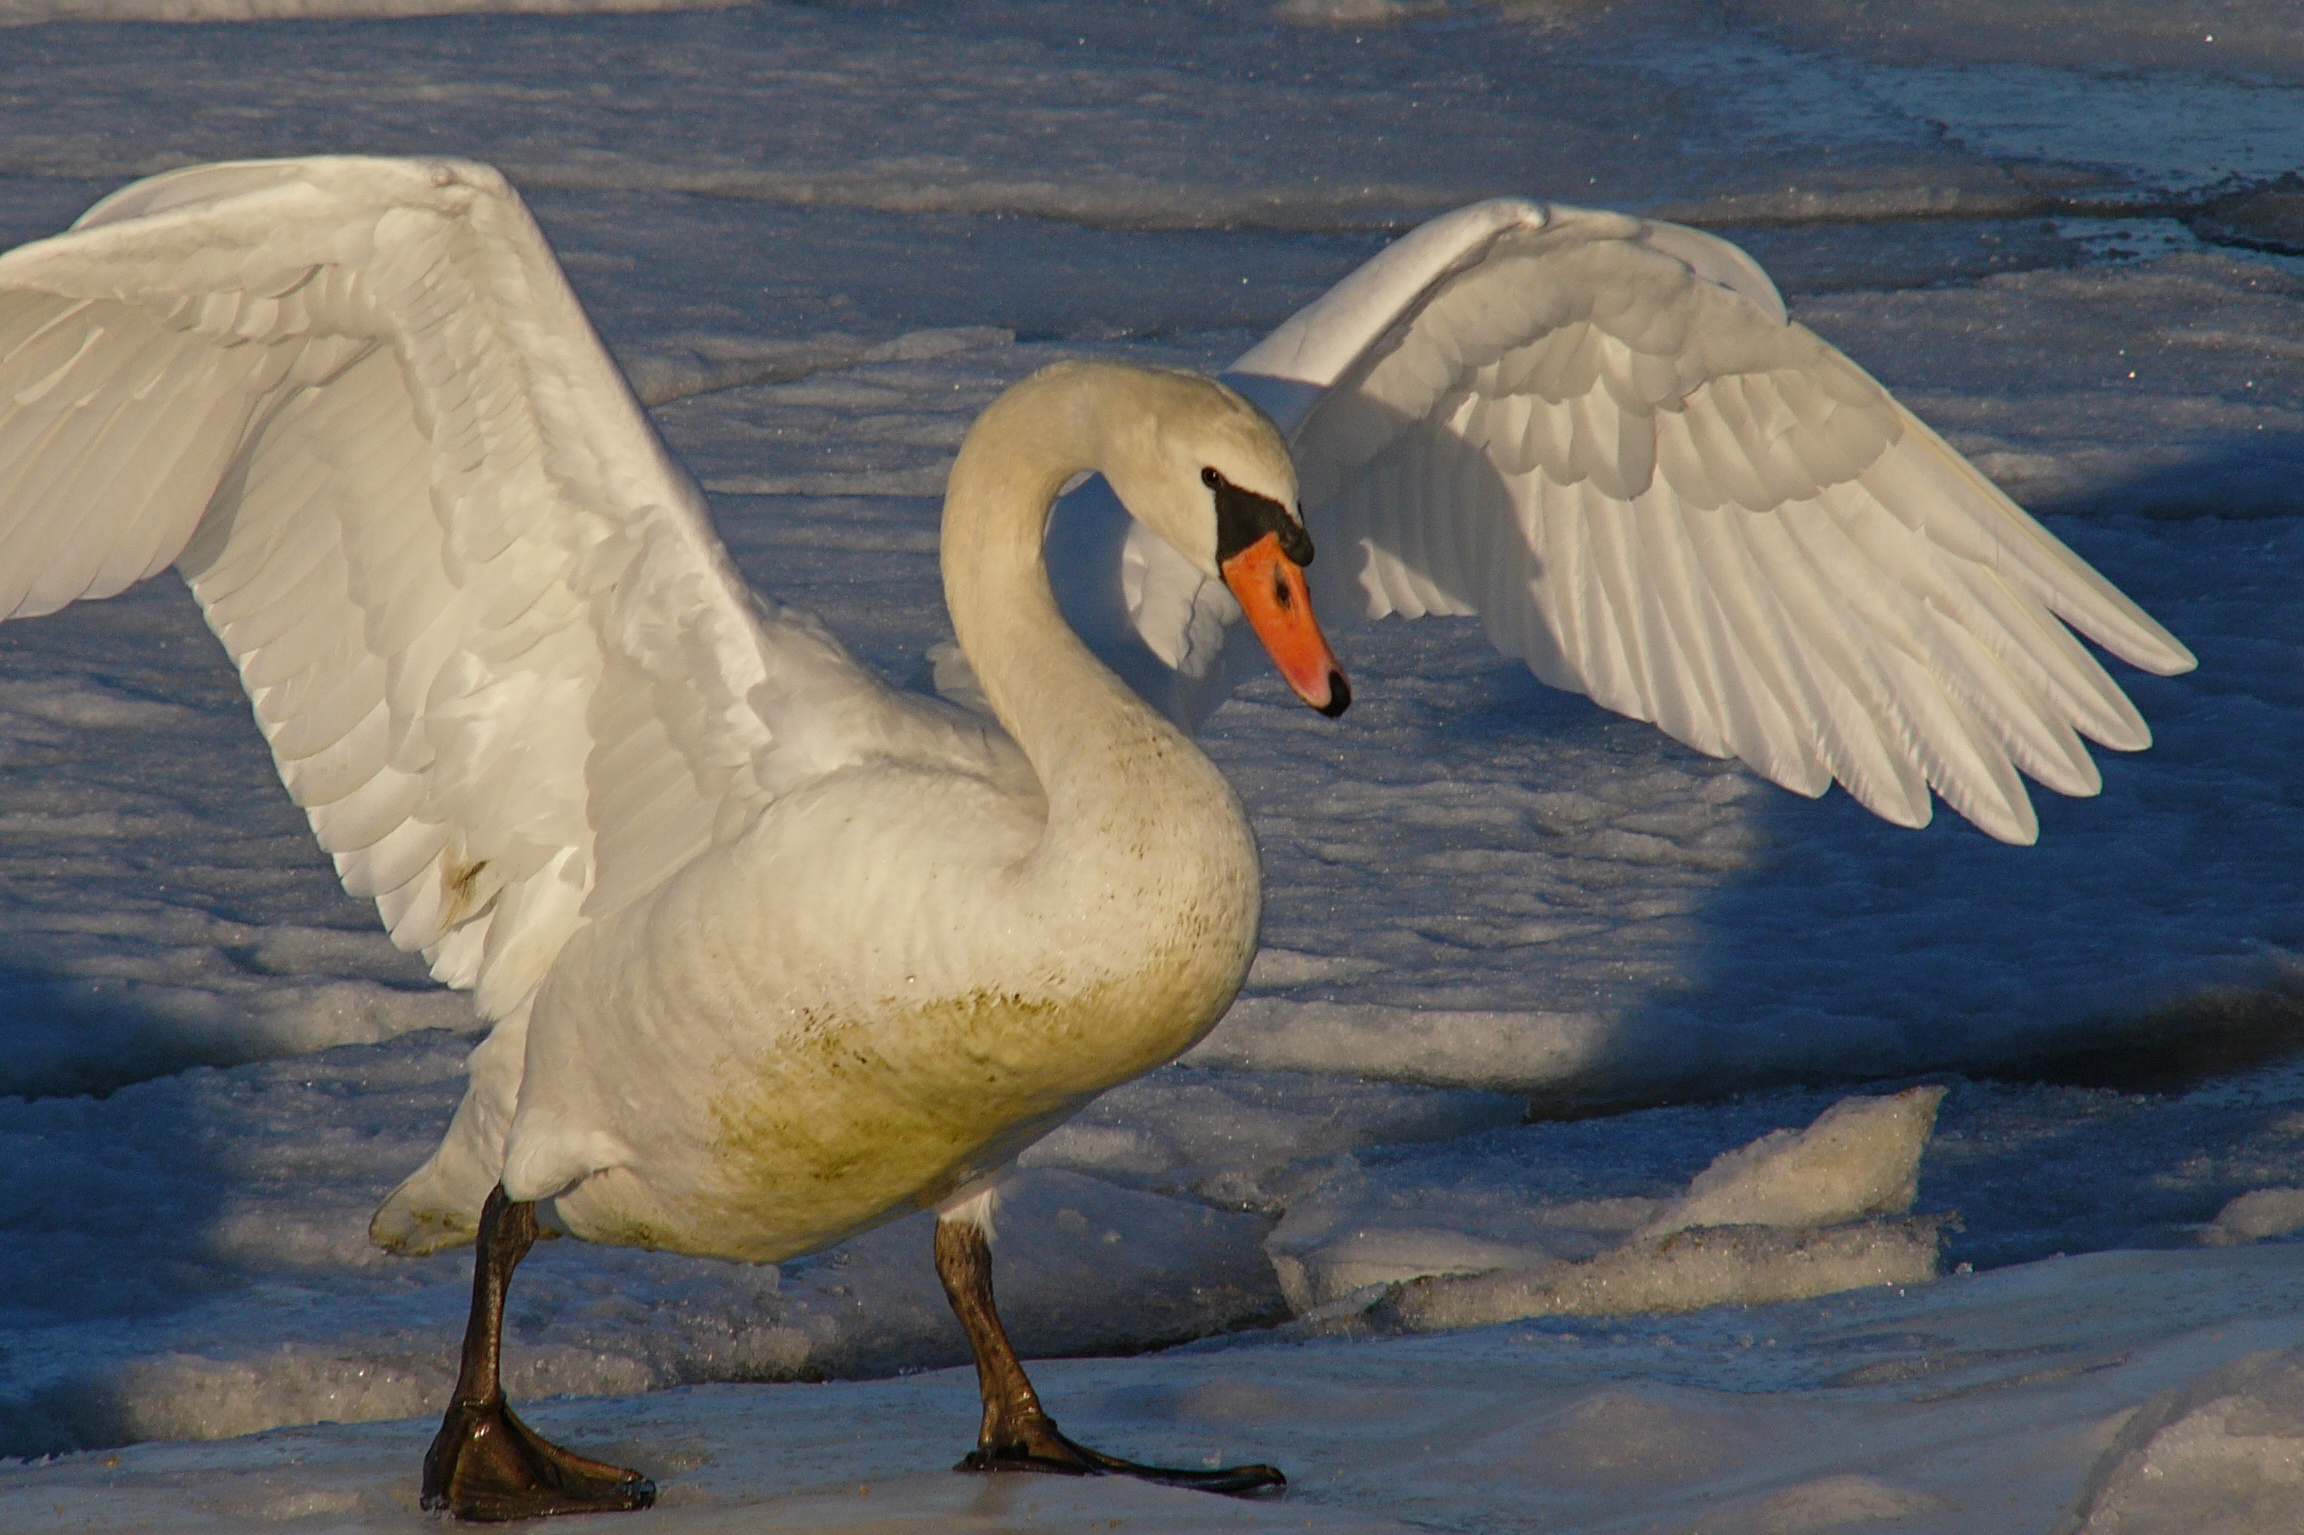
{"x":1271,"y":591}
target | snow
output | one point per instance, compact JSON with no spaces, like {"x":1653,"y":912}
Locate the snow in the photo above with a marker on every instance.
{"x":1554,"y":1019}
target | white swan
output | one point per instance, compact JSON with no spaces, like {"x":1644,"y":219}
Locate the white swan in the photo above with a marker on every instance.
{"x":774,"y":951}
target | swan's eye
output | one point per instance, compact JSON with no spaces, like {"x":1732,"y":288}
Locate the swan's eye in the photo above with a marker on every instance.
{"x":1243,"y":516}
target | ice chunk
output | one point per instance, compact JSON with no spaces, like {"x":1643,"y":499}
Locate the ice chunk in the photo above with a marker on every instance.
{"x":1792,"y":1214}
{"x":2266,"y":218}
{"x":2223,"y":1456}
{"x":1363,"y":1263}
{"x":1861,"y":1157}
{"x":1678,"y":1271}
{"x":2257,"y":1214}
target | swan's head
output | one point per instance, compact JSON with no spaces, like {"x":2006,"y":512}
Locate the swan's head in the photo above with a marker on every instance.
{"x":1210,"y":473}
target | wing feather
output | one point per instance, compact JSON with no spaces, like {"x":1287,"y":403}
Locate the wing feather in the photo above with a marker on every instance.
{"x":1697,"y":512}
{"x":326,"y":776}
{"x":364,"y":815}
{"x":1863,"y":732}
{"x":1570,"y":578}
{"x":1963,"y":761}
{"x":1696,"y":673}
{"x":394,"y":859}
{"x":2006,"y":681}
{"x":1608,"y":636}
{"x":84,"y":453}
{"x":1414,"y":570}
{"x":180,"y":446}
{"x":1787,"y":748}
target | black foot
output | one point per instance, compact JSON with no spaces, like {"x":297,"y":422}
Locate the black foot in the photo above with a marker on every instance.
{"x":1042,"y":1447}
{"x":485,"y":1464}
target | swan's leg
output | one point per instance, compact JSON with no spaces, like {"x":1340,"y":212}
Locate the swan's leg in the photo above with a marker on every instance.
{"x":485,"y":1463}
{"x":1018,"y":1434}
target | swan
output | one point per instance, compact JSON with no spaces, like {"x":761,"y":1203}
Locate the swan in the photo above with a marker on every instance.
{"x":772,"y":951}
{"x":775,"y":952}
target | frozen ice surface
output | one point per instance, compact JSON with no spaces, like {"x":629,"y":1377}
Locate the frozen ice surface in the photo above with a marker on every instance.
{"x":2218,"y":1456}
{"x":2249,"y":40}
{"x":1524,"y":961}
{"x":2028,"y":1399}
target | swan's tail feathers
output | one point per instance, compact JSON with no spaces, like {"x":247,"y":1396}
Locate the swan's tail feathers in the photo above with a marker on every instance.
{"x":438,"y":1206}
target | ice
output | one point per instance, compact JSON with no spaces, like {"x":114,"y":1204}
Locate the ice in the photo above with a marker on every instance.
{"x":198,"y":1262}
{"x":2255,"y":1215}
{"x":1226,"y":1136}
{"x":236,"y":1291}
{"x":1681,"y":1271}
{"x":1553,"y":1017}
{"x":2205,"y":333}
{"x":2011,"y":1400}
{"x":2222,"y":1456}
{"x":1784,"y":1217}
{"x":694,"y":364}
{"x":1861,"y":1157}
{"x":2247,"y":40}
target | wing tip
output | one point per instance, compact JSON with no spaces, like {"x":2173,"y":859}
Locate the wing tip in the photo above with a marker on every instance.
{"x":2172,"y":658}
{"x":2015,"y":823}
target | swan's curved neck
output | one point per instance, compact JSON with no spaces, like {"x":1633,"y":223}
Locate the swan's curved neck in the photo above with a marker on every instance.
{"x":1116,"y":774}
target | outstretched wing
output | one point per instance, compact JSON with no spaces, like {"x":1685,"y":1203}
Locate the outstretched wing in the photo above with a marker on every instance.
{"x":1605,"y":438}
{"x":503,"y":663}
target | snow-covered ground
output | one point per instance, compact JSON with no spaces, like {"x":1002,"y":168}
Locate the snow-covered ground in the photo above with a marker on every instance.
{"x":1530,"y":969}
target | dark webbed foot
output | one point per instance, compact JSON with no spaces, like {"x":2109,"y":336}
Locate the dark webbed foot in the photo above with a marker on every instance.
{"x":1017,"y":1433}
{"x":485,"y":1464}
{"x":1037,"y":1444}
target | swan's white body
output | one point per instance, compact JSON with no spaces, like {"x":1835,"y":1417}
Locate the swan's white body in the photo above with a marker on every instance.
{"x":773,"y":950}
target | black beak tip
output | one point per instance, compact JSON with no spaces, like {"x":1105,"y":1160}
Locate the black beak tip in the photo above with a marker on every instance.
{"x":1339,"y":695}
